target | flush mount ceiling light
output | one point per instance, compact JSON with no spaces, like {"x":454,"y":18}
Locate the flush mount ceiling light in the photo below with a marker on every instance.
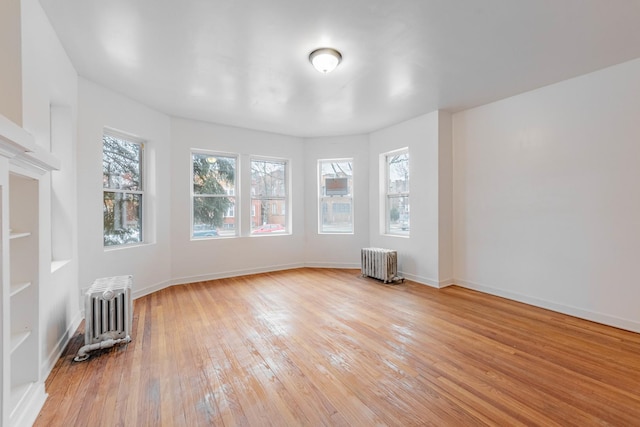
{"x":325,"y":59}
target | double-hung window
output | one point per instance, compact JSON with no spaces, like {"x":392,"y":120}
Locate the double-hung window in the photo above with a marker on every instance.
{"x":122,"y":183}
{"x":397,"y":192}
{"x":269,"y":196}
{"x":335,"y":201}
{"x":213,"y":194}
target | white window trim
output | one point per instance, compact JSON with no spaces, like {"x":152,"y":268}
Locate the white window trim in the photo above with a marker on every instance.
{"x":236,"y":193}
{"x":117,"y":134}
{"x":322,"y":197}
{"x":385,"y":226}
{"x":286,"y":198}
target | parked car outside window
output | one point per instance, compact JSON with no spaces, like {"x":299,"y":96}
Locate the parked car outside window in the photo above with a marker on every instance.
{"x":269,"y":228}
{"x":204,"y":231}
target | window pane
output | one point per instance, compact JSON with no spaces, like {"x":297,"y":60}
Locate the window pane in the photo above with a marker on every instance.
{"x":398,"y":221}
{"x":336,"y":196}
{"x":398,"y":173}
{"x":336,"y":215}
{"x":268,"y":178}
{"x":122,"y":218}
{"x":270,"y":215}
{"x":210,"y":216}
{"x":268,"y":196}
{"x":120,"y":164}
{"x":213,"y":174}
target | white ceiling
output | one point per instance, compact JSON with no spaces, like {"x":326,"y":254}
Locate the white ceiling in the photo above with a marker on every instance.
{"x":245,"y":62}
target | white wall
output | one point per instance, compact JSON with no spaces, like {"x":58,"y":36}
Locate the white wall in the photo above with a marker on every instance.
{"x":10,"y":58}
{"x":149,"y":263}
{"x":48,"y":77}
{"x":445,"y":199}
{"x":223,"y":257}
{"x":419,"y":254}
{"x":336,"y":250}
{"x":546,"y":199}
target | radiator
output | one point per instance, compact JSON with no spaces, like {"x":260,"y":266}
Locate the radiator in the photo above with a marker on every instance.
{"x":380,"y":264}
{"x":108,"y":314}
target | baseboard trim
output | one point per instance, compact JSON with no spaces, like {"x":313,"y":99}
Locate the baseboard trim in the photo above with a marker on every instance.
{"x":593,"y":316}
{"x":419,"y":279}
{"x":25,"y":414}
{"x":234,"y":273}
{"x":138,"y":293}
{"x":445,"y":283}
{"x":47,"y":366}
{"x":339,"y":265}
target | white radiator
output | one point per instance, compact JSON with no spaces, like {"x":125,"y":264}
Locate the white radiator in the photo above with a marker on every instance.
{"x":108,"y":314}
{"x":380,"y":264}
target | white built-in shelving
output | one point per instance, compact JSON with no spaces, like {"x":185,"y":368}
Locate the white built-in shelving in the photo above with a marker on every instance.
{"x":23,"y":165}
{"x":23,"y":288}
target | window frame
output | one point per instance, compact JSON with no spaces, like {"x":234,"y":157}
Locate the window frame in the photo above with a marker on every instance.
{"x":389,"y":195}
{"x":323,"y":198}
{"x":140,"y":192}
{"x":271,"y":207}
{"x":232,"y":192}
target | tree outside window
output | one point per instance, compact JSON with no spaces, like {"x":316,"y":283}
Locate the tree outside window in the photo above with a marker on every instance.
{"x":213,"y":194}
{"x":397,"y":219}
{"x":269,"y":196}
{"x":122,"y":182}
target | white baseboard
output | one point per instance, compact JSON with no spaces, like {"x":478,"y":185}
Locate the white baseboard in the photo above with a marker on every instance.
{"x":48,"y":364}
{"x":593,"y":316}
{"x":140,"y":292}
{"x":150,"y":289}
{"x":419,"y":279}
{"x":28,"y":409}
{"x":339,"y":265}
{"x":234,"y":273}
{"x":445,"y":283}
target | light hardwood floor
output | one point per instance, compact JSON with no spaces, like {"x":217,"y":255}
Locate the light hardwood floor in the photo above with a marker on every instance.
{"x":327,"y":347}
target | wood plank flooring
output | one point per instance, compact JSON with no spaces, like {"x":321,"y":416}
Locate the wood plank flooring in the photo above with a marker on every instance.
{"x":313,"y":347}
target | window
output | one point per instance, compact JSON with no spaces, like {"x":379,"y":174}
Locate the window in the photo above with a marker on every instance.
{"x":213,"y":194}
{"x":269,"y":196}
{"x":122,"y":183}
{"x":397,"y":192}
{"x":335,"y":190}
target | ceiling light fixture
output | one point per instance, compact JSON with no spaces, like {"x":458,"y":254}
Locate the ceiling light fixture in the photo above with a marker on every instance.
{"x":325,"y":59}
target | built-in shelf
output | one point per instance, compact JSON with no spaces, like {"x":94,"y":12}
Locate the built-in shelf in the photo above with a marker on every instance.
{"x":18,"y":338}
{"x":58,"y":264}
{"x":18,"y":287}
{"x":18,"y":393}
{"x":16,"y":235}
{"x":23,"y":166}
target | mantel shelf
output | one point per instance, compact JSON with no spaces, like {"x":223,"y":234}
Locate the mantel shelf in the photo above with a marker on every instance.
{"x":14,"y":139}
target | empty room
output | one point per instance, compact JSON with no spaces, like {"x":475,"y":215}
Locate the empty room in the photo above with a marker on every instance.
{"x":297,"y":213}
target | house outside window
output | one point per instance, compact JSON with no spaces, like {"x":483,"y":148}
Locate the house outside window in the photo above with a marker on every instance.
{"x":335,"y":196}
{"x":397,"y":218}
{"x":213,"y":194}
{"x":123,"y":195}
{"x":269,"y":196}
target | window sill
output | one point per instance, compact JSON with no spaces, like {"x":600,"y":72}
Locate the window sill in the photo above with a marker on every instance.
{"x":402,"y":236}
{"x":124,"y":247}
